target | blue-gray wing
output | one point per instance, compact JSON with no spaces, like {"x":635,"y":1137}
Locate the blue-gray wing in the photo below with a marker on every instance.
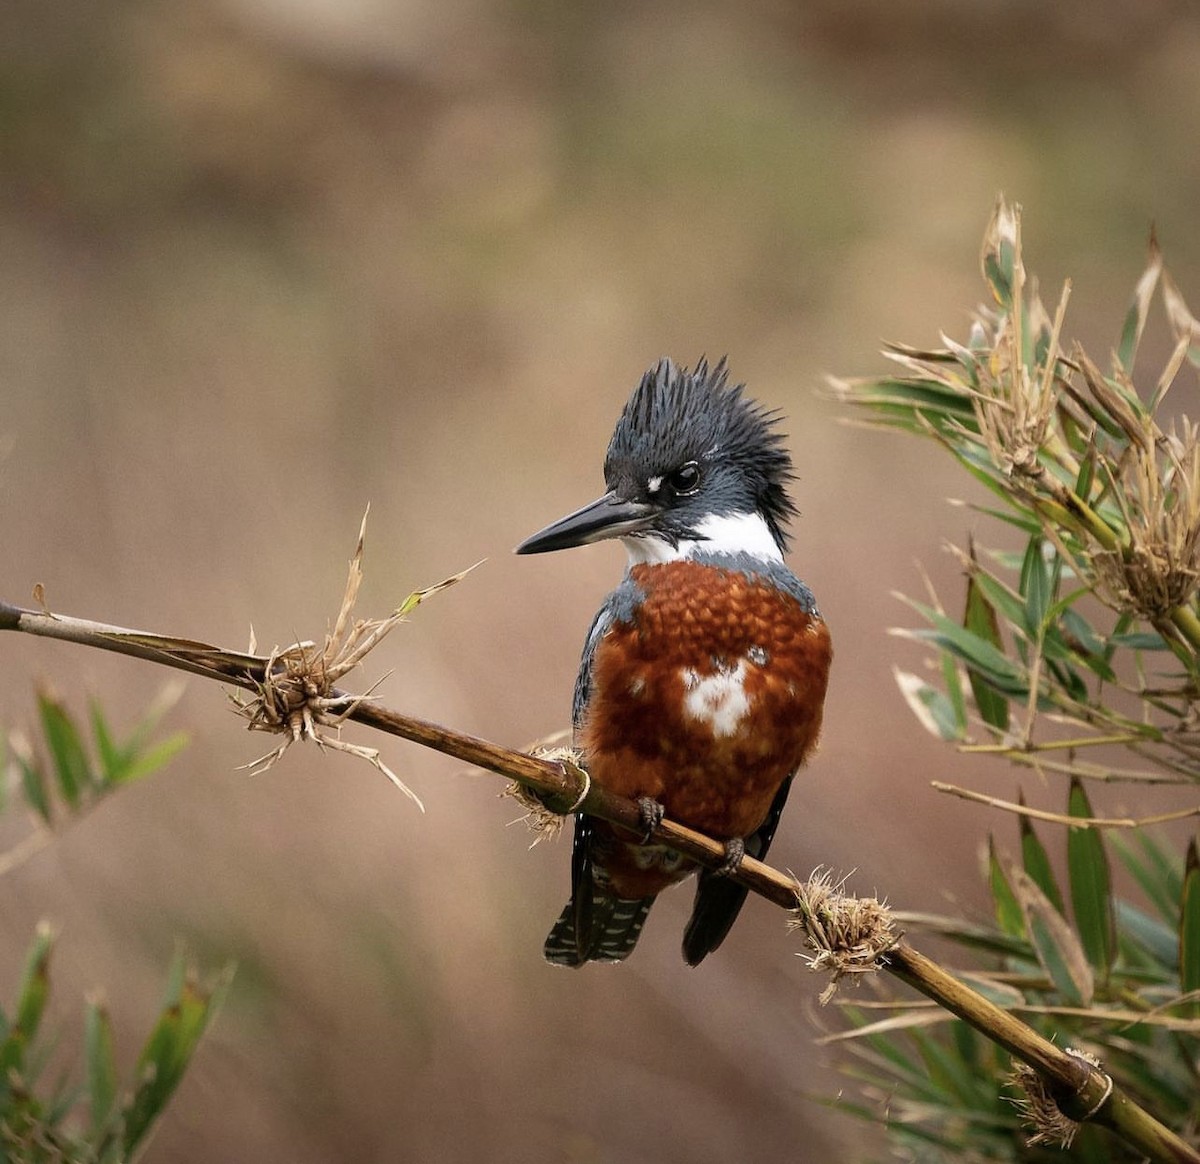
{"x":620,"y":606}
{"x":583,"y":680}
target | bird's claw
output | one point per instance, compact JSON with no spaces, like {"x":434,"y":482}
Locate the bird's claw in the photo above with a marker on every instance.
{"x":735,"y":851}
{"x":650,"y":814}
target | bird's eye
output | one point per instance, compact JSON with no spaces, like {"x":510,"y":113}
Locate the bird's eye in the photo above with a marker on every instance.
{"x":685,"y":479}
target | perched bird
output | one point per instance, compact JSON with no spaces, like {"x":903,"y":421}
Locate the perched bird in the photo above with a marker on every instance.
{"x":703,"y":677}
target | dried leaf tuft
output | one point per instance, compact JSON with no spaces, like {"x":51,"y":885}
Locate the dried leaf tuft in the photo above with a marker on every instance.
{"x":298,"y":696}
{"x":848,"y":935}
{"x":1038,"y":1107}
{"x":543,"y":820}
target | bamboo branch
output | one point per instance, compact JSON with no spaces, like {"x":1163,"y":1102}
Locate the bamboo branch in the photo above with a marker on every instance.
{"x":1081,"y":1090}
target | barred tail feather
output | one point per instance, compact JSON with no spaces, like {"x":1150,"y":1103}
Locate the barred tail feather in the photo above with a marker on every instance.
{"x":613,"y":928}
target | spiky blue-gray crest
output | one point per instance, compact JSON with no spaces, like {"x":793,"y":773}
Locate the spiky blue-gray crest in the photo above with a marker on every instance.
{"x":675,"y":416}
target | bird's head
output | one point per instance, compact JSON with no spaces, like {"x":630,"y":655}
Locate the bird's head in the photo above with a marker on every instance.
{"x":694,"y":464}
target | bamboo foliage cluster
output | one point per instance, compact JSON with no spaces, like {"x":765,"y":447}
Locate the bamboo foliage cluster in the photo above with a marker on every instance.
{"x":1078,"y":656}
{"x":96,"y":1119}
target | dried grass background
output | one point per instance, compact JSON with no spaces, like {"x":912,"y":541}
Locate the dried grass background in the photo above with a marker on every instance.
{"x":264,"y":262}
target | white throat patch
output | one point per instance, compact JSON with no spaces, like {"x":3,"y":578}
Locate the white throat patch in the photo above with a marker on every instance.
{"x":727,"y":533}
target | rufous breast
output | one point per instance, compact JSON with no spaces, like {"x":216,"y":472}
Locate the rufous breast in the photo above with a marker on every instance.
{"x":707,"y":692}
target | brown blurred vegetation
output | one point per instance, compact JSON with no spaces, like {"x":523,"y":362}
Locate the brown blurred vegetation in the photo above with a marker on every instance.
{"x":266,"y":260}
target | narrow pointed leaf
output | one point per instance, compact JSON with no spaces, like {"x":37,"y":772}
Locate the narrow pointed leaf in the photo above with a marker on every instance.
{"x":980,"y":619}
{"x":101,"y":1065}
{"x":112,"y":758}
{"x":952,"y":679}
{"x":1091,"y":884}
{"x":33,"y":783}
{"x":152,"y":759}
{"x":1008,"y":909}
{"x":31,"y":1003}
{"x":1058,"y":949}
{"x":71,"y":769}
{"x":1152,"y":883}
{"x":971,"y":649}
{"x":933,"y":710}
{"x":35,"y":983}
{"x":1161,"y":942}
{"x":190,"y":1006}
{"x":1189,"y":929}
{"x":1037,"y":862}
{"x":1035,"y":586}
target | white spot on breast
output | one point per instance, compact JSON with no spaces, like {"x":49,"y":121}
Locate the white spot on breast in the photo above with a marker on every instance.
{"x":637,"y":686}
{"x":719,"y":699}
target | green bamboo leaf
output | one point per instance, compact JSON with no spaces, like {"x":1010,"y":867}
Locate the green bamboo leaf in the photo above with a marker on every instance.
{"x":112,"y":757}
{"x":31,"y":1004}
{"x":980,"y":619}
{"x":1008,"y":909}
{"x":33,"y":778}
{"x":1150,"y":878}
{"x":958,"y":1087}
{"x":189,"y":1008}
{"x":954,"y":693}
{"x":1091,"y":884}
{"x":933,"y":710}
{"x":1139,"y":641}
{"x":102,"y":1081}
{"x":152,"y":759}
{"x":976,"y":652}
{"x":1189,"y":929}
{"x":1087,"y":470}
{"x":1058,"y":949}
{"x":35,"y":983}
{"x":1160,"y":942}
{"x":1085,"y":645}
{"x":71,"y":768}
{"x":1006,"y":602}
{"x":1037,"y":862}
{"x":1035,"y":586}
{"x":905,"y":399}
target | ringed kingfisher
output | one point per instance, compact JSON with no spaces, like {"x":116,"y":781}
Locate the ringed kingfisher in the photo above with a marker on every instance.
{"x":702,"y":682}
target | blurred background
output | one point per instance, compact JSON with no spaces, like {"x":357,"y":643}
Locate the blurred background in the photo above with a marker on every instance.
{"x":266,"y":261}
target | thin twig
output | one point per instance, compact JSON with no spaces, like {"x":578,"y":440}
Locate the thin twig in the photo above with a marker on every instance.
{"x":1091,"y":822}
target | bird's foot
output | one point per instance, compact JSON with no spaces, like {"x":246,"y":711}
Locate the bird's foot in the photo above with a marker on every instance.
{"x":651,"y":814}
{"x":735,"y":851}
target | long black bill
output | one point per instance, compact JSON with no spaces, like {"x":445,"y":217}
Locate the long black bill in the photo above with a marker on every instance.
{"x":609,"y":516}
